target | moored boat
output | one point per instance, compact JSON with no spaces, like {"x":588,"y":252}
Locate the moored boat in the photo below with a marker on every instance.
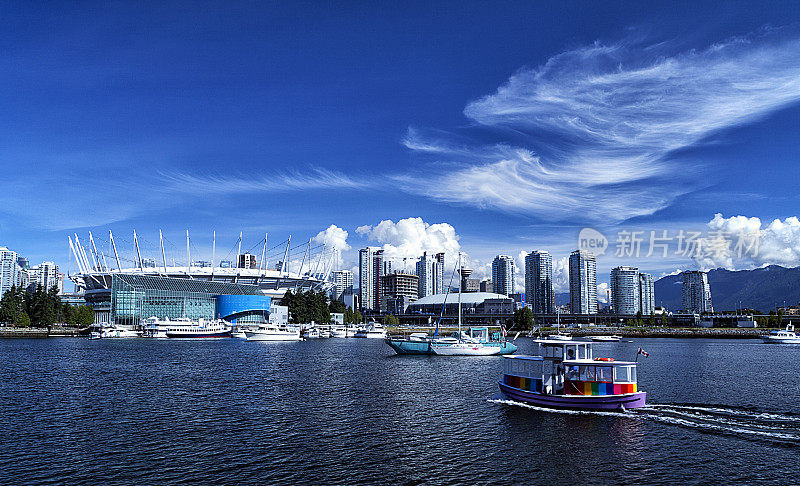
{"x":605,"y":339}
{"x":117,"y":332}
{"x":200,"y":329}
{"x":270,"y":332}
{"x":566,"y":376}
{"x":782,"y":336}
{"x":373,"y":330}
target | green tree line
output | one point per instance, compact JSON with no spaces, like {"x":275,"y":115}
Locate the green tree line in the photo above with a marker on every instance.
{"x":41,"y":308}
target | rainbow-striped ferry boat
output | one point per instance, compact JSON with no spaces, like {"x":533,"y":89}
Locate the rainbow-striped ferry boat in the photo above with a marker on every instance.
{"x":566,"y":376}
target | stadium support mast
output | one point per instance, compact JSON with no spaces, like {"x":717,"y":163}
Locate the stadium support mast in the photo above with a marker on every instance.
{"x":114,"y":246}
{"x":163,"y":255}
{"x":75,"y":253}
{"x":285,"y":262}
{"x":213,"y":251}
{"x":188,"y":256}
{"x":95,"y":255}
{"x":138,"y":254}
{"x":239,"y":250}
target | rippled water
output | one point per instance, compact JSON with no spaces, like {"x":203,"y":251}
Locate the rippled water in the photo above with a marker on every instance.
{"x":347,"y":411}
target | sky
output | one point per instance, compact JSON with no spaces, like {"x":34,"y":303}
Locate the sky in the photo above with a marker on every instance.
{"x":487,"y":127}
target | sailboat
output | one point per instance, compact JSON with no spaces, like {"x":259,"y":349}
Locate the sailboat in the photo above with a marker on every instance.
{"x":459,"y":346}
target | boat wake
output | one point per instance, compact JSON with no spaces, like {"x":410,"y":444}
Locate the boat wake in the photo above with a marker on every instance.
{"x":773,"y":427}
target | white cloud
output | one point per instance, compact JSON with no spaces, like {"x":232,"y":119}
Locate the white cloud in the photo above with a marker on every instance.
{"x":409,"y":237}
{"x":741,"y":242}
{"x":602,"y":292}
{"x":561,"y":274}
{"x":333,"y":237}
{"x":313,"y":178}
{"x":607,"y":118}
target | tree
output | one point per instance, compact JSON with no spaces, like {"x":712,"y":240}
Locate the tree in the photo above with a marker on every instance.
{"x":357,"y":317}
{"x":12,"y":305}
{"x":337,"y":306}
{"x":391,"y":321}
{"x":83,"y":316}
{"x":652,"y":320}
{"x":349,"y":317}
{"x":22,"y":320}
{"x":523,"y":319}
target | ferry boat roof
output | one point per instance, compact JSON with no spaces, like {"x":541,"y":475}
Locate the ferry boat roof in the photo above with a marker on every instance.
{"x":594,"y":362}
{"x":522,"y":356}
{"x":560,"y":342}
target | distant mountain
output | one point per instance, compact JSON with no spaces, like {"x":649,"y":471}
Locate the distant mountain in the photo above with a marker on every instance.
{"x":762,"y":289}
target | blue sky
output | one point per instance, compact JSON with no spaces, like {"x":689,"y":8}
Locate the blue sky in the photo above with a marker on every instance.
{"x":516,"y":123}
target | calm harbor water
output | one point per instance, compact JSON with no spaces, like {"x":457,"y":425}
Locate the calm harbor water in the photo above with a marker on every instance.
{"x":347,"y":411}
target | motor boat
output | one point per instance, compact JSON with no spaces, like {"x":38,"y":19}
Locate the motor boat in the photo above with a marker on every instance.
{"x":605,"y":339}
{"x":117,"y":332}
{"x":565,"y":376}
{"x":373,"y":330}
{"x":339,"y":332}
{"x":200,"y":329}
{"x":271,"y":332}
{"x":185,"y":328}
{"x":783,"y":336}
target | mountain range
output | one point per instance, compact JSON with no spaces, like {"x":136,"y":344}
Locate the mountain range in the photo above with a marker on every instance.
{"x":762,"y":289}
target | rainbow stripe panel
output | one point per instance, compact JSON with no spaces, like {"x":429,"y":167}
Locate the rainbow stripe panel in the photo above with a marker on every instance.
{"x":573,"y":387}
{"x":523,"y":383}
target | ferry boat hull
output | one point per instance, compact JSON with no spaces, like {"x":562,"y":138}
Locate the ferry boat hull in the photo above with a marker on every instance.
{"x":574,"y":402}
{"x":198,"y":335}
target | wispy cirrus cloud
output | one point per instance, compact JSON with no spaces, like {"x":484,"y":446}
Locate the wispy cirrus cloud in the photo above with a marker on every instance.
{"x":312,"y":178}
{"x":601,"y":123}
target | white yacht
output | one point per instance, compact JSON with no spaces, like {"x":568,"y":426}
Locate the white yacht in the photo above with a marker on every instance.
{"x":115,"y":332}
{"x":460,"y":346}
{"x":374,"y":330}
{"x":271,"y":332}
{"x":785,"y":336}
{"x":184,"y":328}
{"x":605,"y":339}
{"x":339,"y":332}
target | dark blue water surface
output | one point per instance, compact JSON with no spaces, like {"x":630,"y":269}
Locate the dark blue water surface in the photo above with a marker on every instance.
{"x":348,"y":411}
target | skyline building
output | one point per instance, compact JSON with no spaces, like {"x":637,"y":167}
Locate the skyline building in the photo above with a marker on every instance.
{"x":647,"y":296}
{"x":430,"y":270}
{"x":398,"y":290}
{"x":539,"y":282}
{"x":503,"y":275}
{"x":47,"y":275}
{"x":582,"y":282}
{"x":342,"y":283}
{"x":247,"y":260}
{"x":696,"y":292}
{"x":370,"y":270}
{"x":625,"y":290}
{"x":10,"y":271}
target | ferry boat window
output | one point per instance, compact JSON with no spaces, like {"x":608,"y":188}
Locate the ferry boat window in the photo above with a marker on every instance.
{"x":633,"y":374}
{"x":605,"y":373}
{"x":622,"y":374}
{"x":587,"y":373}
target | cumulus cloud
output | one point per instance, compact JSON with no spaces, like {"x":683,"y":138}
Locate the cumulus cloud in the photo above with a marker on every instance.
{"x":561,"y":274}
{"x":333,"y":237}
{"x":603,"y":121}
{"x":602,"y":292}
{"x":741,"y":242}
{"x":410,"y":237}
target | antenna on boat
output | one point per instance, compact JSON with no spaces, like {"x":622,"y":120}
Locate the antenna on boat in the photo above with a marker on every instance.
{"x":114,"y":246}
{"x":163,"y":255}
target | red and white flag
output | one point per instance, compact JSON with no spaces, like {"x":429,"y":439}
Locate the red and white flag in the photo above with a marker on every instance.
{"x":642,"y":352}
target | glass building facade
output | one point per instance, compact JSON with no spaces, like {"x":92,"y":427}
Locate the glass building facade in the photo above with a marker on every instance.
{"x":138,"y":297}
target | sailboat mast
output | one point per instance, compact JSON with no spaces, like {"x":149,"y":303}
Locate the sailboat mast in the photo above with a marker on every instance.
{"x":459,"y":297}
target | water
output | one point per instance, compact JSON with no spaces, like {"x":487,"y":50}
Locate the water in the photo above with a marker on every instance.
{"x":347,"y":411}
